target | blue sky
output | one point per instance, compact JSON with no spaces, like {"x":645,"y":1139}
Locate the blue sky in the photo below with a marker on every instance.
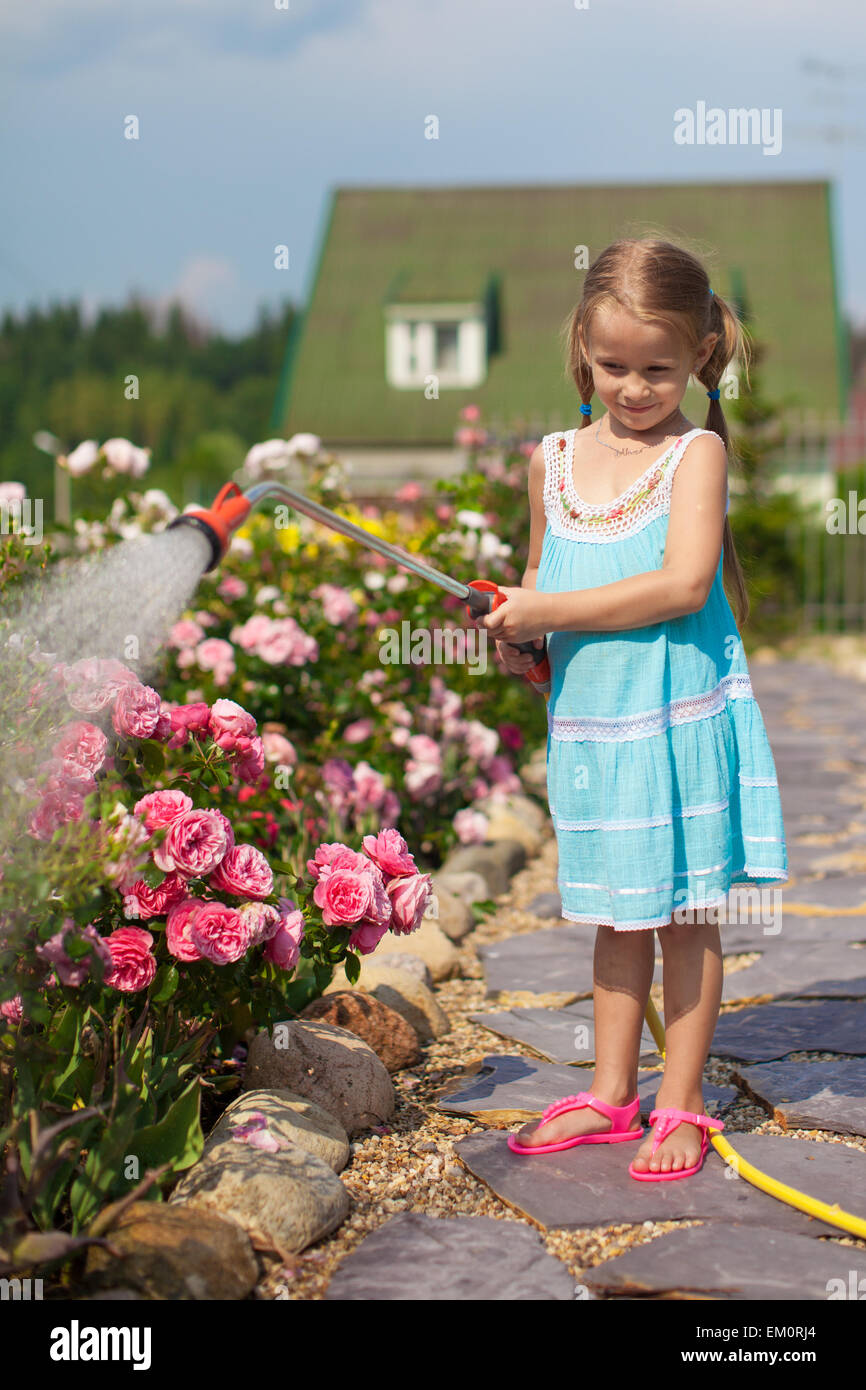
{"x":249,"y":114}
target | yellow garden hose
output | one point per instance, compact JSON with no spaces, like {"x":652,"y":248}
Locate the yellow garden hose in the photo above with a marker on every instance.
{"x":833,"y":1214}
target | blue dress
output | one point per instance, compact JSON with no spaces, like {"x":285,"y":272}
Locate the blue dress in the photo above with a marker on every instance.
{"x":661,"y":782}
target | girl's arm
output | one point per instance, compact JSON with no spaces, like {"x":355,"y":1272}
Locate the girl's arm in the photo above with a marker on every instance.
{"x":537,"y":518}
{"x":691,"y":558}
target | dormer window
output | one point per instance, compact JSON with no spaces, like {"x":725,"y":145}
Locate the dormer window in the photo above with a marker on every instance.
{"x":447,"y":341}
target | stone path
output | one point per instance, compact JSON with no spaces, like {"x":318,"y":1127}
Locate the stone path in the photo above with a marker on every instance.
{"x":470,"y":1219}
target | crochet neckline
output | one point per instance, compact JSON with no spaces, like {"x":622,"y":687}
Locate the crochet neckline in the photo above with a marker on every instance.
{"x":568,"y":472}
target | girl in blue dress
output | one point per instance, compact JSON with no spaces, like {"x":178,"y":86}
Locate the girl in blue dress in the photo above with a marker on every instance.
{"x":661,"y":781}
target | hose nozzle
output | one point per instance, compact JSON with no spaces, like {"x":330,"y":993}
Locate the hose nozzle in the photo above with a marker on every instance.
{"x":229,"y":511}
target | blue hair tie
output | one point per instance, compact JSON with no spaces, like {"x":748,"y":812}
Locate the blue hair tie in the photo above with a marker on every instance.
{"x":710,"y":291}
{"x":714,"y":395}
{"x":586,"y":410}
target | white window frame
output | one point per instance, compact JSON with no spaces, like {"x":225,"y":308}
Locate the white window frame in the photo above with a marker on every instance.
{"x":410,"y":345}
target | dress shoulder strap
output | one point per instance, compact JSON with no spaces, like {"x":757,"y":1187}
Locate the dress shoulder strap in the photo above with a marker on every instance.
{"x":680,"y":448}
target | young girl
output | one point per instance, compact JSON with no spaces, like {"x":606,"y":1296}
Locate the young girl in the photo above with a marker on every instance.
{"x":661,"y":781}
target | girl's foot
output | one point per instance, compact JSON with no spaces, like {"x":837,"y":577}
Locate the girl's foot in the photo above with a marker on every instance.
{"x":682,"y":1148}
{"x":574,"y":1122}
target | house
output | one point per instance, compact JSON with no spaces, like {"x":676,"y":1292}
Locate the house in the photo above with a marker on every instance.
{"x":426,"y":300}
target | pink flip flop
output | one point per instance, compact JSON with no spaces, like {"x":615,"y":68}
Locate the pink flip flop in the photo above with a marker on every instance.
{"x":620,"y":1117}
{"x":669,"y":1119}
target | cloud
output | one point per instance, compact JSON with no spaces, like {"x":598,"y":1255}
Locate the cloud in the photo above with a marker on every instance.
{"x":207,"y":286}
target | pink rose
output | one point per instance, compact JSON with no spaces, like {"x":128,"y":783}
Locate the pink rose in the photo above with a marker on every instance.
{"x":64,"y":775}
{"x":195,"y":843}
{"x":133,"y":967}
{"x":185,"y":633}
{"x":81,"y":743}
{"x":74,"y":972}
{"x":11,"y":1010}
{"x":244,"y":871}
{"x":141,"y":901}
{"x":228,"y":722}
{"x":337,"y":856}
{"x":278,"y":749}
{"x":136,"y":711}
{"x":349,"y":896}
{"x":389,"y":850}
{"x":284,"y":947}
{"x":55,"y":810}
{"x":220,"y":933}
{"x":250,"y":763}
{"x":91,"y":684}
{"x":178,"y":939}
{"x":366,"y":937}
{"x":410,"y":897}
{"x":160,"y":808}
{"x":264,"y":921}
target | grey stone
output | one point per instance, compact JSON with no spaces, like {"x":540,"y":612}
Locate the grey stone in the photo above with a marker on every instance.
{"x":295,"y":1119}
{"x":770,"y":1031}
{"x":826,"y":969}
{"x":555,"y":959}
{"x":560,"y":1035}
{"x":404,"y":960}
{"x":454,"y":917}
{"x":730,"y":1261}
{"x":287,"y":1200}
{"x":329,"y":1065}
{"x":811,"y":1095}
{"x":589,"y":1185}
{"x":524,"y":807}
{"x":546,"y":905}
{"x":414,"y":1256}
{"x":762,"y":935}
{"x":468,"y":886}
{"x":432,"y":944}
{"x":497,"y":863}
{"x":846,"y":892}
{"x":512,"y":1090}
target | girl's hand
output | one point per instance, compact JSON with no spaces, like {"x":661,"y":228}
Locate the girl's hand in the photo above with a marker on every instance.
{"x":524,"y":616}
{"x":519,"y":663}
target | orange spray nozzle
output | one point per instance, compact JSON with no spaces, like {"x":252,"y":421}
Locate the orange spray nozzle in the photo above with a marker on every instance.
{"x":229,"y":511}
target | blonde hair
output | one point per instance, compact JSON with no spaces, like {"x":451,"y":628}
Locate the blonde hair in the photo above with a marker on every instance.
{"x":658,"y":281}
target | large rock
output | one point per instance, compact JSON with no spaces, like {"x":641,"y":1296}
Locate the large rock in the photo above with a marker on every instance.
{"x":454,"y":915}
{"x":401,"y":992}
{"x":497,"y":863}
{"x":523,"y":808}
{"x":167,"y":1252}
{"x":284,"y":1200}
{"x":469,"y":887}
{"x":432,"y":944}
{"x":393,"y":1040}
{"x":290,"y":1117}
{"x":504,"y":825}
{"x":330,"y":1065}
{"x":413,"y":965}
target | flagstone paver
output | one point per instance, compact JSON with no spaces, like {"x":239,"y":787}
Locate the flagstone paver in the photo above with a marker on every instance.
{"x":560,"y":1035}
{"x":513,"y":1089}
{"x":590,"y":1185}
{"x":824,"y":969}
{"x":429,"y":1258}
{"x":553,"y":959}
{"x":767,"y":1032}
{"x":812,"y":1095}
{"x":732,"y":1262}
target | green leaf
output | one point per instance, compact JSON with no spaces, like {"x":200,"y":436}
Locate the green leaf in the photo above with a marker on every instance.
{"x":152,"y":756}
{"x":352,"y":967}
{"x":165,"y":984}
{"x":177,"y":1138}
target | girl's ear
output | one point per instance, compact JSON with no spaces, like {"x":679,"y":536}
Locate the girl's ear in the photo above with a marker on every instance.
{"x":705,"y":351}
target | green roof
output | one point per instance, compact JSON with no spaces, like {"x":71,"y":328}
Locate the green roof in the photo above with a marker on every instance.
{"x":771,"y":241}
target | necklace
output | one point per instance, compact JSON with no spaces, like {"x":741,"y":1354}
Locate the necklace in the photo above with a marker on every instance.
{"x":638,"y":450}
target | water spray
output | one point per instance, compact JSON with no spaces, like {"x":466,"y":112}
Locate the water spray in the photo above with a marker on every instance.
{"x":232,"y":507}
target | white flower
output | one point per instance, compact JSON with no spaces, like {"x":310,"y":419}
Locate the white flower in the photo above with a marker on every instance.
{"x":473,"y":519}
{"x":12,"y":492}
{"x":304,"y":444}
{"x":123,"y":457}
{"x":492,"y":548}
{"x":81,"y":460}
{"x":374,"y":580}
{"x":397,"y":583}
{"x":240,"y":545}
{"x":266,"y":594}
{"x":270,"y":455}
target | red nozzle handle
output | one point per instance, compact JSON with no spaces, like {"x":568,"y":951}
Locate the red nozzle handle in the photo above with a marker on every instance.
{"x":229,"y":510}
{"x":488,"y":599}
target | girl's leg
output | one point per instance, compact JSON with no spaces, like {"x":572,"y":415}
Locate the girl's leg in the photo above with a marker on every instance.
{"x":692,"y":955}
{"x":622,"y":975}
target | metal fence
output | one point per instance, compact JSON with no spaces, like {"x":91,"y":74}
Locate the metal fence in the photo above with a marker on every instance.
{"x":823,"y":461}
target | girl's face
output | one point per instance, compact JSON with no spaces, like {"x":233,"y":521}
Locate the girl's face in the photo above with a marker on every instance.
{"x":640,"y":370}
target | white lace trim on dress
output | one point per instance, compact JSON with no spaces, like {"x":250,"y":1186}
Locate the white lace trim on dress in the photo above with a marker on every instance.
{"x":632,"y":726}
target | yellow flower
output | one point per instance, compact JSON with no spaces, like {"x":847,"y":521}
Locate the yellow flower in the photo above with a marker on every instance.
{"x":289,"y":537}
{"x":358,"y":595}
{"x":311,"y":550}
